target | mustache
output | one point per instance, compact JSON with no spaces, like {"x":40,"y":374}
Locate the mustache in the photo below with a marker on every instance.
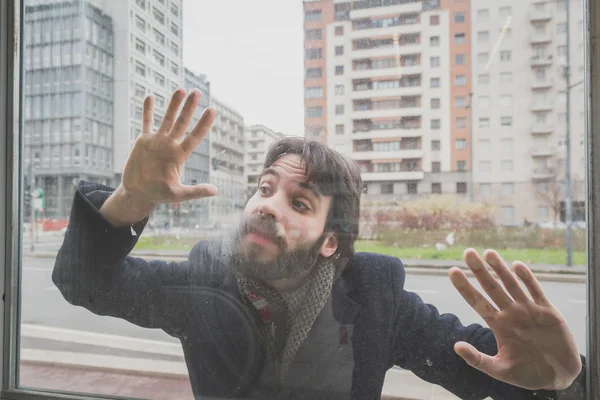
{"x":263,"y":226}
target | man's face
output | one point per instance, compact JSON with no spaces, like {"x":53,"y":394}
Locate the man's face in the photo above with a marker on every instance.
{"x":282,"y":232}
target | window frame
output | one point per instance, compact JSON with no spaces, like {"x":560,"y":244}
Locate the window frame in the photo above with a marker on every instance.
{"x":11,"y":193}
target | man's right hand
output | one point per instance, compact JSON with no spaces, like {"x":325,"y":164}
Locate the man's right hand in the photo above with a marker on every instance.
{"x":152,"y":172}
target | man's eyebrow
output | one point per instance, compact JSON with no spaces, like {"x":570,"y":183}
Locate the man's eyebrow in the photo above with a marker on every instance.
{"x":314,"y":189}
{"x":268,"y":171}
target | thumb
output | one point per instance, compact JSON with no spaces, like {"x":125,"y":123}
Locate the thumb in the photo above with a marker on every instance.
{"x":187,"y":192}
{"x":476,"y":359}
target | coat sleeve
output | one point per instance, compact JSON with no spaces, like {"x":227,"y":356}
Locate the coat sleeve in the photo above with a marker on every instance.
{"x":424,"y":344}
{"x":93,"y":269}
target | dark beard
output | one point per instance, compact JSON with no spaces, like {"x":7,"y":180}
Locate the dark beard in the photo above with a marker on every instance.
{"x":289,"y":264}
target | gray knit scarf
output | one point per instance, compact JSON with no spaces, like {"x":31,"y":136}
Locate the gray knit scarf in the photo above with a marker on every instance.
{"x":298,"y":310}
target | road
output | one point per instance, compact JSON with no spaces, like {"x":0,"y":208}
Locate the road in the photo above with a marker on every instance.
{"x":53,"y":329}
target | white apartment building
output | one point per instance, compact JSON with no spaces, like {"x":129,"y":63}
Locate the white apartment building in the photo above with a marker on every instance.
{"x":519,"y":114}
{"x":227,"y":170}
{"x":388,"y":81}
{"x":148,"y":54}
{"x":258,"y":139}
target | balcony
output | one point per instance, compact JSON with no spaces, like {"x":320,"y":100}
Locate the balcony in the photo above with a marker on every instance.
{"x":541,"y":106}
{"x":540,"y":15}
{"x":384,"y":51}
{"x":387,"y":133}
{"x":388,"y":113}
{"x":543,"y":152}
{"x":397,"y":91}
{"x":414,"y":6}
{"x":385,"y":31}
{"x":537,"y":61}
{"x":542,"y":84}
{"x":540,"y":38}
{"x":386,"y":72}
{"x":542,"y":173}
{"x":541,"y":129}
{"x":384,"y":155}
{"x":393,"y":176}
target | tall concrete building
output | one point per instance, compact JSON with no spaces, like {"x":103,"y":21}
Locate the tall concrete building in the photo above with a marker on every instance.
{"x":386,"y":84}
{"x":258,"y":139}
{"x":68,"y":63}
{"x":519,"y":107}
{"x":148,"y":48}
{"x":227,"y":164}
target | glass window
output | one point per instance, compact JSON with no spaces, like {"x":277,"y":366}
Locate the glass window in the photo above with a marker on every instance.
{"x":460,"y":80}
{"x":434,"y":41}
{"x":485,"y":166}
{"x":434,"y":62}
{"x":483,"y":36}
{"x":459,"y":38}
{"x":459,"y":17}
{"x":435,"y":82}
{"x":461,"y":144}
{"x":483,"y":79}
{"x":483,"y":15}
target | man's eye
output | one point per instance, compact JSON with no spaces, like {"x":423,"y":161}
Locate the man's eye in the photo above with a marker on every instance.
{"x":264,"y":190}
{"x":299,"y":205}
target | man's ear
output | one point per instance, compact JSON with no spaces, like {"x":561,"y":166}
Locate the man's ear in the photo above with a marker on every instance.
{"x":329,"y":246}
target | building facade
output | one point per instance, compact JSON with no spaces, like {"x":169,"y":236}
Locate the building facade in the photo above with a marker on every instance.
{"x":520,"y":107}
{"x":68,"y":98}
{"x":258,"y":139}
{"x":227,"y":164}
{"x":383,"y":78}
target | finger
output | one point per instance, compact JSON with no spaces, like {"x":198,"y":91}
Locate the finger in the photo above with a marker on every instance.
{"x":200,"y":130}
{"x":488,"y":283}
{"x":186,"y":192}
{"x":172,"y":110}
{"x":186,"y":115}
{"x":531,"y":283}
{"x":148,"y":115}
{"x":510,"y":281}
{"x":479,"y":360}
{"x":472,"y":296}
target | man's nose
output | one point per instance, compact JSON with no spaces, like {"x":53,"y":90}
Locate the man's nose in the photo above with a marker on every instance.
{"x":271,"y":207}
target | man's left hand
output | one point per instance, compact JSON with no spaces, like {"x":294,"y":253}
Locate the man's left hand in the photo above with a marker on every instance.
{"x":536,"y":348}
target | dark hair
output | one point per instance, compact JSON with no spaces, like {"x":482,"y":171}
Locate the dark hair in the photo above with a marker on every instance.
{"x":335,"y":176}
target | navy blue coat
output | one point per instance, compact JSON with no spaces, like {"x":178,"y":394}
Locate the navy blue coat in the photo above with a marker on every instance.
{"x":368,"y":325}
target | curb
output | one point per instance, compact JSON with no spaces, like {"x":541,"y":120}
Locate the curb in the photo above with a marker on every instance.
{"x":558,"y":274}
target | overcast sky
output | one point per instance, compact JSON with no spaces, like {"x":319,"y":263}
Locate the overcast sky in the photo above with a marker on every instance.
{"x":252,"y":53}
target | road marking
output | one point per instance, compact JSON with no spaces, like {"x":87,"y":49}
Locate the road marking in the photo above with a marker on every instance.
{"x":87,"y":360}
{"x":424,"y":291}
{"x":101,"y":339}
{"x":577,"y":301}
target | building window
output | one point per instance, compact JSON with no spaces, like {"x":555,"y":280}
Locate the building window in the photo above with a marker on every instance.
{"x":339,"y":30}
{"x":158,"y":16}
{"x":412,"y":187}
{"x":339,"y":90}
{"x":506,"y":145}
{"x":313,"y":73}
{"x":508,"y":212}
{"x":506,"y":100}
{"x":159,"y":58}
{"x":483,"y":36}
{"x":461,"y":122}
{"x":434,"y":20}
{"x":436,"y":166}
{"x":312,"y":15}
{"x":140,"y":91}
{"x":460,"y":59}
{"x":436,"y":145}
{"x":485,"y":166}
{"x":339,"y":70}
{"x":460,"y":80}
{"x":434,"y":62}
{"x":387,"y":188}
{"x":461,"y":144}
{"x":313,"y":112}
{"x":561,"y":27}
{"x":174,"y":68}
{"x":484,"y":145}
{"x":434,"y":41}
{"x":459,"y":38}
{"x":484,"y":102}
{"x":435,"y":103}
{"x":141,"y":3}
{"x":140,"y":46}
{"x":313,"y":92}
{"x":174,"y":48}
{"x":174,"y":9}
{"x":459,"y":17}
{"x":484,"y":122}
{"x":483,"y":79}
{"x":461,"y":166}
{"x":339,"y":129}
{"x":508,"y":188}
{"x":140,"y":23}
{"x":506,"y":121}
{"x":436,"y":188}
{"x":483,"y":15}
{"x":505,"y":12}
{"x":435,"y":82}
{"x":460,"y":102}
{"x":339,"y":50}
{"x":140,"y":68}
{"x":159,"y":79}
{"x":482,"y":58}
{"x":339,"y":109}
{"x":436,"y":124}
{"x":506,"y":165}
{"x":159,"y":37}
{"x":174,"y":29}
{"x":505,"y":56}
{"x":313,"y":54}
{"x":160,"y":100}
{"x":461,"y":187}
{"x":506,"y":77}
{"x":313,"y":34}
